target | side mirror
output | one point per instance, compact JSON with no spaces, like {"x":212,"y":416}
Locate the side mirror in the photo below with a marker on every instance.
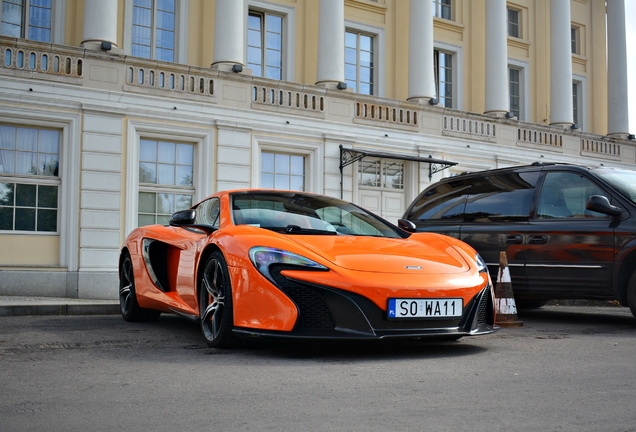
{"x":407,"y":225}
{"x":601,"y":204}
{"x":183,"y":217}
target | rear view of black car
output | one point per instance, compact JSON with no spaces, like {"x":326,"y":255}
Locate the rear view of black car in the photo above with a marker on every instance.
{"x":569,"y":231}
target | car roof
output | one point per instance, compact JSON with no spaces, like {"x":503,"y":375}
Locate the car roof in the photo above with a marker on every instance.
{"x":536,"y":166}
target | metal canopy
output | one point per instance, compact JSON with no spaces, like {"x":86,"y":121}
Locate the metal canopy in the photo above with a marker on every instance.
{"x":349,"y":156}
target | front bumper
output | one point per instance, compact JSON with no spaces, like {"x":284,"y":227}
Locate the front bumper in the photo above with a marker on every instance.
{"x":328,"y":313}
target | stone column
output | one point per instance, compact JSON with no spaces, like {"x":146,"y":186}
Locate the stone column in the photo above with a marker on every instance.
{"x":617,"y":105}
{"x":497,"y":87}
{"x":561,"y":104}
{"x":229,"y":35}
{"x":100,"y":24}
{"x":331,"y":31}
{"x":421,"y":74}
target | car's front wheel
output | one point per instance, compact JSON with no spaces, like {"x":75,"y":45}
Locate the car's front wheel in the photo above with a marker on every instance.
{"x":130,"y":309}
{"x":215,"y":303}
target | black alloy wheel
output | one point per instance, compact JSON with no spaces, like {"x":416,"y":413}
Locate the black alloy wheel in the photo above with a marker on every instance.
{"x":130,"y":309}
{"x":215,"y":303}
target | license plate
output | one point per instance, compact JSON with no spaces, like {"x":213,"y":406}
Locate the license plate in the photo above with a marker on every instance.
{"x":425,"y":308}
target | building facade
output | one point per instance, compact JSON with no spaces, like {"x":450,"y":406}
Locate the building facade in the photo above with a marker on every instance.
{"x":116,"y":113}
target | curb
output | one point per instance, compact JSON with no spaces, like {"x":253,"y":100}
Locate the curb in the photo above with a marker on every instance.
{"x":56,"y":307}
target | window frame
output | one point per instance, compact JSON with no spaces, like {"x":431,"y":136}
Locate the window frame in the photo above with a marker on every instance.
{"x":180,"y":31}
{"x":36,"y":180}
{"x":69,"y":169}
{"x":524,"y":90}
{"x":381,"y":174}
{"x":289,"y":31}
{"x":379,"y":48}
{"x":518,"y":24}
{"x":575,"y":36}
{"x":202,"y":180}
{"x":162,"y":188}
{"x":580,"y":82}
{"x":438,"y":7}
{"x":313,"y":153}
{"x":457,"y":72}
{"x":58,"y":15}
{"x":290,"y":175}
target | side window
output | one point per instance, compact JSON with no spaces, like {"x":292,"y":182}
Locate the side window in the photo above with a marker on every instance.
{"x":445,"y":201}
{"x":208,"y":213}
{"x":501,"y":198}
{"x":564,"y":195}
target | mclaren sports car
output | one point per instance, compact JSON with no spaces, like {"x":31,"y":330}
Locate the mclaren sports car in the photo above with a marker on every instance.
{"x":262,"y":264}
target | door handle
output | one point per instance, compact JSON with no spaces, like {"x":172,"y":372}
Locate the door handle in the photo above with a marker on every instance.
{"x":514,"y":239}
{"x":538,"y":239}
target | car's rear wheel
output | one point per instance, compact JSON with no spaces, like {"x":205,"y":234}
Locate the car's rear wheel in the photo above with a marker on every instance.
{"x":631,"y":294}
{"x":215,"y":303}
{"x":130,"y":309}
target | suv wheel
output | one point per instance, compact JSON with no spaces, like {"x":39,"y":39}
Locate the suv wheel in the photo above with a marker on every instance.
{"x":631,"y":293}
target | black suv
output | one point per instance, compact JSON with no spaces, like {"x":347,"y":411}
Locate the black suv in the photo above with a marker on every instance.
{"x":569,"y":231}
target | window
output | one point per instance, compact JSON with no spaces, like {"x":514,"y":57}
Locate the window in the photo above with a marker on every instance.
{"x":208,"y":213}
{"x":501,"y":198}
{"x":444,"y":201}
{"x":564,"y":195}
{"x":265,"y":44}
{"x":443,"y":64}
{"x":442,"y":9}
{"x":514,"y":80}
{"x":575,"y":40}
{"x":359,"y":64}
{"x":382,"y":173}
{"x":153,"y":29}
{"x":29,"y":19}
{"x":29,"y":194}
{"x":165,"y":180}
{"x":282,"y":171}
{"x":575,"y":103}
{"x":514,"y":29}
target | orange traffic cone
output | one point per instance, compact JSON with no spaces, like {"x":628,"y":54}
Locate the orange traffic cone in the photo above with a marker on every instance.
{"x":505,"y":300}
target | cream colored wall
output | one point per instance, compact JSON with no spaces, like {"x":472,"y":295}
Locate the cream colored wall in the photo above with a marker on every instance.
{"x":29,"y":250}
{"x":467,"y":31}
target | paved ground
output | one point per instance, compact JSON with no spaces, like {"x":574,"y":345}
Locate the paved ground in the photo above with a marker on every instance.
{"x":568,"y":369}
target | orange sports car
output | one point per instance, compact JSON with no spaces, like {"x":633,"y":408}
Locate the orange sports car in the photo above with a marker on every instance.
{"x":264,"y":263}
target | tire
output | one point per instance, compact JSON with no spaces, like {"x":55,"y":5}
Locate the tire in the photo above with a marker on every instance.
{"x":631,"y":294}
{"x":529,"y":303}
{"x":215,"y":303}
{"x":128,"y":305}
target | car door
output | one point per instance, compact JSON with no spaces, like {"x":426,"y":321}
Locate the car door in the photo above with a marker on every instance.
{"x":569,"y":250}
{"x":495,"y":220}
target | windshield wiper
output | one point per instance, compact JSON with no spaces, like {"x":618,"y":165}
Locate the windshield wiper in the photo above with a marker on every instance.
{"x":295,"y":229}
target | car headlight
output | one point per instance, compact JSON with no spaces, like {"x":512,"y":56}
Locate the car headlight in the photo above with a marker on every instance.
{"x":262,"y":257}
{"x":481,"y":264}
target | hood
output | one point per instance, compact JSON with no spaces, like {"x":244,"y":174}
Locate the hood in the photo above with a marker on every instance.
{"x":386,"y":255}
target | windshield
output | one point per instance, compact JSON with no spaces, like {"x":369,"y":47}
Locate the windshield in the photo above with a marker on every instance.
{"x":298,"y":213}
{"x":623,"y":181}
